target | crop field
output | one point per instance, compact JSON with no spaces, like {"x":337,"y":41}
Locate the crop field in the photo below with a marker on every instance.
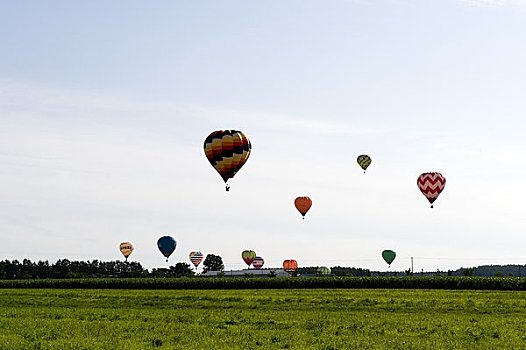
{"x":261,"y":319}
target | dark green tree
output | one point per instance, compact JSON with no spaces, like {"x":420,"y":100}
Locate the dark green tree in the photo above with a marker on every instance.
{"x":213,"y":263}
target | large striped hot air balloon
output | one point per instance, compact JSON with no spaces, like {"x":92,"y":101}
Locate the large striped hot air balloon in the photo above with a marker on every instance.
{"x":248,"y":257}
{"x":227,"y":151}
{"x":258,"y":262}
{"x":364,"y":161}
{"x":126,"y":249}
{"x":303,"y":205}
{"x":166,"y":245}
{"x":431,"y":184}
{"x":196,"y":258}
{"x":290,"y":265}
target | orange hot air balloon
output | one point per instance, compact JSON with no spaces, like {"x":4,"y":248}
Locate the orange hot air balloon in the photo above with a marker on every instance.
{"x":303,"y":205}
{"x":290,"y":265}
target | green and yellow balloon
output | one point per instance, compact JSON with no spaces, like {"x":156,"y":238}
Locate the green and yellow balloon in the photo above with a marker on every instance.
{"x":323,"y":271}
{"x":364,"y":161}
{"x":248,"y":256}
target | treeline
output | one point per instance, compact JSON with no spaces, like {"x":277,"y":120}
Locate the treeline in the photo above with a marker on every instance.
{"x":492,"y":271}
{"x":65,"y":268}
{"x":479,"y":271}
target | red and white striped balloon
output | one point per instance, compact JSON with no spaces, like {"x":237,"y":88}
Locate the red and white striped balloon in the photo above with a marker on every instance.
{"x":431,"y":185}
{"x":196,"y":258}
{"x":258,"y":262}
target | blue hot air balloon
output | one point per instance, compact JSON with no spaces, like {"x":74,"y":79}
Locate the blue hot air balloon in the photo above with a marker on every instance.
{"x":166,"y":245}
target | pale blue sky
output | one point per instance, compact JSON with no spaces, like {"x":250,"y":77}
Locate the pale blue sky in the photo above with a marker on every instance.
{"x":104,"y":107}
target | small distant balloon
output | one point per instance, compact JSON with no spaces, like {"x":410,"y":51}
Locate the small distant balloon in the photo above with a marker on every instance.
{"x":248,"y":257}
{"x":388,"y":256}
{"x":290,"y":265}
{"x":126,"y":249}
{"x":227,"y":151}
{"x":303,"y":205}
{"x":196,"y":258}
{"x":258,"y":262}
{"x":323,"y":271}
{"x":166,"y":245}
{"x":364,"y":161}
{"x":431,"y":185}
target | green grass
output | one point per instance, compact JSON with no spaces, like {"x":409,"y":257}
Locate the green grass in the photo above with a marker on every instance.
{"x":261,"y":319}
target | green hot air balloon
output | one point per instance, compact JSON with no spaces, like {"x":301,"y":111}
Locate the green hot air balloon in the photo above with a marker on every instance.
{"x":364,"y":161}
{"x":323,"y":271}
{"x":388,"y":256}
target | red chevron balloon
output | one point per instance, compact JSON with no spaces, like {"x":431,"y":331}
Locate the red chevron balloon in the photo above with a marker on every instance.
{"x":431,"y":184}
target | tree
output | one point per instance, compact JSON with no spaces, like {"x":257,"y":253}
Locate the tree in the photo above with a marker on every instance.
{"x":213,"y":263}
{"x":62,"y":268}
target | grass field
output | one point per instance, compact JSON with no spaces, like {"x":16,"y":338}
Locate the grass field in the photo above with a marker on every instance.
{"x":261,"y":319}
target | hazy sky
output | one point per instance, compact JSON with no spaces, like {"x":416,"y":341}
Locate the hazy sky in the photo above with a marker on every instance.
{"x":104,"y":107}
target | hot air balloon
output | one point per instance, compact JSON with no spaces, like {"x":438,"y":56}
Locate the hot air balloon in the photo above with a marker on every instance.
{"x":126,"y":249}
{"x":227,"y":151}
{"x":258,"y":262}
{"x":431,"y":184}
{"x":364,"y":161}
{"x":388,"y":256}
{"x":303,"y":205}
{"x":166,"y":245}
{"x":248,"y":256}
{"x":196,"y":258}
{"x":290,"y":265}
{"x":323,"y":271}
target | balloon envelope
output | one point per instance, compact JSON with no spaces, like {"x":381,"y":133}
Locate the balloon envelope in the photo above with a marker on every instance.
{"x":323,"y":271}
{"x":290,"y":265}
{"x":431,"y":185}
{"x":258,"y":262}
{"x":303,"y":205}
{"x":166,"y":245}
{"x":126,"y":249}
{"x":196,"y":258}
{"x":227,"y":151}
{"x":388,"y":256}
{"x":248,"y":256}
{"x":364,"y":161}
